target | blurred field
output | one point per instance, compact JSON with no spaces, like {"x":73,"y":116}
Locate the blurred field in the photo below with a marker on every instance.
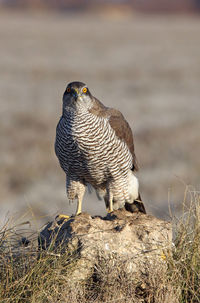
{"x":147,"y":67}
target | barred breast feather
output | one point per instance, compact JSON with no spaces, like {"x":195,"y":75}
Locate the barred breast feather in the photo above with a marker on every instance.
{"x":88,"y":147}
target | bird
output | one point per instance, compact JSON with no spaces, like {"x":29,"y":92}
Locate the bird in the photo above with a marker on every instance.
{"x":94,"y":145}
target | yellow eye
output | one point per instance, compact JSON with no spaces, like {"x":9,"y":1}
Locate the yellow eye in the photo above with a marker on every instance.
{"x":68,"y":89}
{"x":85,"y":90}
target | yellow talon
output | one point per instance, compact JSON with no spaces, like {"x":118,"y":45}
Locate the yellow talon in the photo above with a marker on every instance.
{"x":61,"y":216}
{"x":109,"y":211}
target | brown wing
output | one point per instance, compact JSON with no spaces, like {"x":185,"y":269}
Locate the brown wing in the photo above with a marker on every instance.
{"x":119,"y":124}
{"x":123,"y":132}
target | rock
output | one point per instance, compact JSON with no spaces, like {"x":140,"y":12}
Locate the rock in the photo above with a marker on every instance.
{"x":138,"y":241}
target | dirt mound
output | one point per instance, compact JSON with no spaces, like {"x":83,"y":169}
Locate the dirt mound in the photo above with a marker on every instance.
{"x":139,"y":241}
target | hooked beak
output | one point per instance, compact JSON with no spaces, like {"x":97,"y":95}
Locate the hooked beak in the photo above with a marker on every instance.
{"x":75,"y":93}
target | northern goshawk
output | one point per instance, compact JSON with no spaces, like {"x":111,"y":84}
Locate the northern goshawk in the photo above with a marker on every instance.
{"x":94,"y":145}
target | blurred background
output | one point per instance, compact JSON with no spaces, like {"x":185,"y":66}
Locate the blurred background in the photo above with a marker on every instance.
{"x":141,"y":57}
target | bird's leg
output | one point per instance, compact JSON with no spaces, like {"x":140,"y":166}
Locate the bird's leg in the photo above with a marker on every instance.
{"x":70,"y":195}
{"x":79,"y":206}
{"x":75,"y":189}
{"x":80,"y":198}
{"x":110,"y":201}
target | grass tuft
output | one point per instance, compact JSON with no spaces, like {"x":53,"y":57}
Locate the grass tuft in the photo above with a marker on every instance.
{"x":184,"y":266}
{"x":30,"y":276}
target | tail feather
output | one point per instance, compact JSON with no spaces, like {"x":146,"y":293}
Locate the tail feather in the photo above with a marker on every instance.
{"x":136,"y":206}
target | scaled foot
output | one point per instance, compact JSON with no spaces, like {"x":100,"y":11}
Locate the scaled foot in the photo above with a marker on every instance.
{"x":62,"y":217}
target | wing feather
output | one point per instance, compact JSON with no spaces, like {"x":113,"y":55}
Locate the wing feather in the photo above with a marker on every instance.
{"x":119,"y":124}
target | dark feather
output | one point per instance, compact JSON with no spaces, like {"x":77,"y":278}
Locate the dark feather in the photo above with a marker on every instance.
{"x":119,"y":124}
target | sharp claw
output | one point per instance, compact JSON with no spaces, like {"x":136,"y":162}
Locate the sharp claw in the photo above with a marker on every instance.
{"x":61,"y":216}
{"x":109,"y":211}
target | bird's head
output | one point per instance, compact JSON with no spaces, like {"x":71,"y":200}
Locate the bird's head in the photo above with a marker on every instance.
{"x":77,"y":97}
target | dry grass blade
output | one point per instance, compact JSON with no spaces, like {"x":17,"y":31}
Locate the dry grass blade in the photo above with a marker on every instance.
{"x":27,"y":276}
